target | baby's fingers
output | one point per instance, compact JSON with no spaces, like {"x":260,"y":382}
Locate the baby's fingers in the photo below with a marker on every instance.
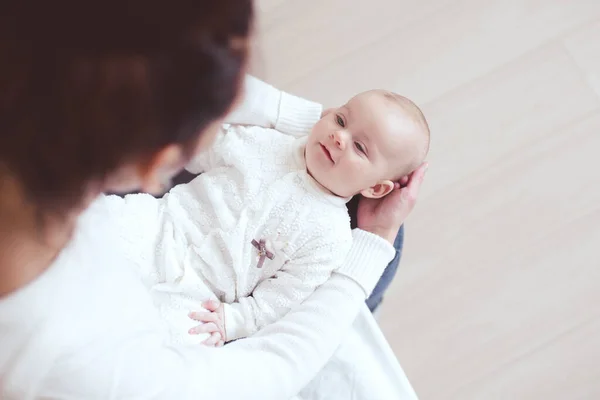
{"x":204,"y":316}
{"x":209,"y":327}
{"x":211,"y":305}
{"x":213,"y":340}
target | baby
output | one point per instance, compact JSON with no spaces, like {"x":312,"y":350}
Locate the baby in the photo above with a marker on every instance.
{"x":366,"y":145}
{"x":266,"y":222}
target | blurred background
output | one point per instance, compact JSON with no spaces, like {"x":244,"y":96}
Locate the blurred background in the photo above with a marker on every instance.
{"x":498,"y":292}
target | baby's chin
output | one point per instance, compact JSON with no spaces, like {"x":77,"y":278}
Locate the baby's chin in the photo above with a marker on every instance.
{"x":320,"y":177}
{"x":333,"y":189}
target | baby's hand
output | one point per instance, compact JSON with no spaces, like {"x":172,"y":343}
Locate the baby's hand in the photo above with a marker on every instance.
{"x":213,"y":322}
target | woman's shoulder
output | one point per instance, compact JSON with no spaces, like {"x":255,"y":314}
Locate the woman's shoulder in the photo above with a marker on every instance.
{"x":87,"y":296}
{"x":88,"y":260}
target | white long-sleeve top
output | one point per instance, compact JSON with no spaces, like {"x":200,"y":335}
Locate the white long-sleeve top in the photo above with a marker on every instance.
{"x":87,"y":328}
{"x":255,"y":188}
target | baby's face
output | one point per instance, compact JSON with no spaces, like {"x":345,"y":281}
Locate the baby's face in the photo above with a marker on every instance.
{"x":361,"y":146}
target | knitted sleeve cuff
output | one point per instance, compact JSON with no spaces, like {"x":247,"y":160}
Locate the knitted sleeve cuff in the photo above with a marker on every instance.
{"x":367,"y":259}
{"x":297,"y":116}
{"x":235,"y":327}
{"x":259,"y":105}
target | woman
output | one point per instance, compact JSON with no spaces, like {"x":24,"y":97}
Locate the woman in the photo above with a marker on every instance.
{"x":118,"y":96}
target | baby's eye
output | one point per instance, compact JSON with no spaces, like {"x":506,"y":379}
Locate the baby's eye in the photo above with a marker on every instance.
{"x":360,"y":147}
{"x":340,"y":121}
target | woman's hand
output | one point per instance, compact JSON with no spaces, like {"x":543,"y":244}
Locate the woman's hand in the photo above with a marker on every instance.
{"x":384,"y":216}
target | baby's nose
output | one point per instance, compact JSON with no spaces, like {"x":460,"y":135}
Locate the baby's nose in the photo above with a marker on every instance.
{"x":339,"y":140}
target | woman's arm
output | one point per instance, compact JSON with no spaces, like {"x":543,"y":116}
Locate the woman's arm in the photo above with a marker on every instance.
{"x":292,"y":350}
{"x":264,"y":105}
{"x":274,"y":364}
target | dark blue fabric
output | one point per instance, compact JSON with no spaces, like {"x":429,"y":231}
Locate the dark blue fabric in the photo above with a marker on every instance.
{"x":390,"y":271}
{"x":388,"y":274}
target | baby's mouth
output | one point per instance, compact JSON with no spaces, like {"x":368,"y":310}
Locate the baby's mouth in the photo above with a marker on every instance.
{"x":327,"y":153}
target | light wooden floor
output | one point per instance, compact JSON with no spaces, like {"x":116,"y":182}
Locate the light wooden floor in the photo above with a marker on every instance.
{"x":498,"y":296}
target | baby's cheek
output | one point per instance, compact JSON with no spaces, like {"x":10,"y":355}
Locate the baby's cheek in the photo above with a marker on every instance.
{"x":358,"y":170}
{"x":366,"y":176}
{"x":348,"y":176}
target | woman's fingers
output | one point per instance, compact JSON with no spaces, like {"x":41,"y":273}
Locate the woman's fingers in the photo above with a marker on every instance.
{"x":404,"y":181}
{"x":384,"y":216}
{"x":414,"y":183}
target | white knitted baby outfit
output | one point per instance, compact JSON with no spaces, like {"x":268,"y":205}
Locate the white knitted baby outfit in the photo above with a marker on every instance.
{"x":255,"y":230}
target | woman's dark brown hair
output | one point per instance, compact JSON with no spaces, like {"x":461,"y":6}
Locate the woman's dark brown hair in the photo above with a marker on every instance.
{"x":87,"y":86}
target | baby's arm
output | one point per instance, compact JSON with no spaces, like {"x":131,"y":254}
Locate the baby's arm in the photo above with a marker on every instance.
{"x":264,"y":105}
{"x":290,"y":286}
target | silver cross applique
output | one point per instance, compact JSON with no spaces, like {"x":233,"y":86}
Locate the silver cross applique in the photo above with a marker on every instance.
{"x":263,"y":252}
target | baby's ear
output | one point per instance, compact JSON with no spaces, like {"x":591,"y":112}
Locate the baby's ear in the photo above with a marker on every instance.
{"x":379,"y":190}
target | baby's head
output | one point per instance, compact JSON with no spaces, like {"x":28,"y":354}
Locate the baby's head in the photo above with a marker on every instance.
{"x":366,"y":145}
